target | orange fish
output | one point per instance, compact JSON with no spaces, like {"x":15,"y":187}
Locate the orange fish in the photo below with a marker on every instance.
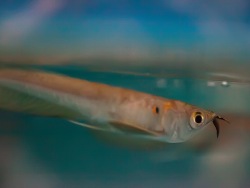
{"x":102,"y":107}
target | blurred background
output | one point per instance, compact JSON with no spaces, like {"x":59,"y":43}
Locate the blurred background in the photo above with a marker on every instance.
{"x":190,"y":50}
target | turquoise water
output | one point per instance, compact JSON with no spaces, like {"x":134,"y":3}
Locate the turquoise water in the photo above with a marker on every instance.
{"x":49,"y":152}
{"x":194,"y":51}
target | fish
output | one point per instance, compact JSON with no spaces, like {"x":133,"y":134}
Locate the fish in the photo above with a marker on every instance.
{"x":102,"y":107}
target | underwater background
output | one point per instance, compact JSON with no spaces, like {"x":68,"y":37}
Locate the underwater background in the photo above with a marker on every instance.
{"x":189,"y":50}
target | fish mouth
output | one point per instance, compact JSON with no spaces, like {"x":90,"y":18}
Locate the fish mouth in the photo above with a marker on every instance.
{"x":216,"y":124}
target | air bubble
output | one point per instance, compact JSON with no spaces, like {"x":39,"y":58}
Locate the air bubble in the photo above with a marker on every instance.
{"x":211,"y":84}
{"x":161,"y":83}
{"x":225,"y":84}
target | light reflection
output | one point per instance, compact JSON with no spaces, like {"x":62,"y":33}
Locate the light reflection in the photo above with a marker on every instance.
{"x":225,"y":84}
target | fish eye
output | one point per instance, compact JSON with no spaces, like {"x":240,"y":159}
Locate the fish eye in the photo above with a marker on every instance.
{"x":197,"y":119}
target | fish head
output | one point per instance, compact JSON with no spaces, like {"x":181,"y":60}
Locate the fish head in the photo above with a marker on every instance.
{"x":182,"y":121}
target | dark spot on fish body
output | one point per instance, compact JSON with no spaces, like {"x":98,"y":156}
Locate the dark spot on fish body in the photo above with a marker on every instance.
{"x":157,"y":110}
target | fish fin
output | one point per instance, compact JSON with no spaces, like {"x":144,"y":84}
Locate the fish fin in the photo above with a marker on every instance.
{"x":87,"y":125}
{"x":21,"y":101}
{"x":129,"y":127}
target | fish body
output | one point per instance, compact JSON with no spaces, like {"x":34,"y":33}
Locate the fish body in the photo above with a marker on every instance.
{"x":102,"y":106}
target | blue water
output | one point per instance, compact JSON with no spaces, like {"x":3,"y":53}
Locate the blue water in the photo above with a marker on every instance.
{"x":194,"y":51}
{"x":49,"y":152}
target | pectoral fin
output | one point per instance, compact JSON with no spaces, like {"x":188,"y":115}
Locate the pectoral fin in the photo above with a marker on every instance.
{"x":87,"y":126}
{"x":132,"y":128}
